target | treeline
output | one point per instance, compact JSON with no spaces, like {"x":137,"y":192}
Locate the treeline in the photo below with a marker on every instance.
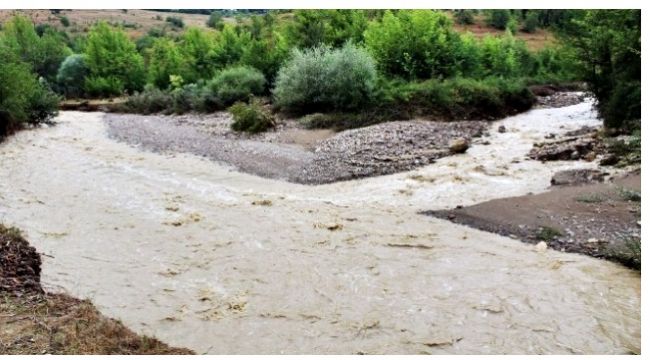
{"x":360,"y":66}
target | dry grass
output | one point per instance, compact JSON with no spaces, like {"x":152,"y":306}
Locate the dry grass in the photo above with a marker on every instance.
{"x":59,"y":324}
{"x":82,"y":20}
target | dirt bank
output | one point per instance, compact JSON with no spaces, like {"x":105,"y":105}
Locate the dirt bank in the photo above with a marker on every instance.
{"x":598,"y":219}
{"x":35,"y":322}
{"x":294,"y":153}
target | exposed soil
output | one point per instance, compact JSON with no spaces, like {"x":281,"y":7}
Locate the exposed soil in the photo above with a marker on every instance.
{"x":35,"y":322}
{"x":294,"y":153}
{"x":597,"y":219}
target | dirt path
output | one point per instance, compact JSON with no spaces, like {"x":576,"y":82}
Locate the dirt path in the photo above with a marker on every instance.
{"x":218,"y":261}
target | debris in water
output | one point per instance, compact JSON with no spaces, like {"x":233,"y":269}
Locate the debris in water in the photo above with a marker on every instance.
{"x":265,"y":202}
{"x":541,"y":246}
{"x":329,"y":226}
{"x":443,"y":341}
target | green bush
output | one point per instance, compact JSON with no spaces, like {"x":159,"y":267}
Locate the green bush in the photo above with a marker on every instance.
{"x":252,"y":117}
{"x":464,"y":17}
{"x":113,"y":61}
{"x":498,"y":18}
{"x":414,"y":44}
{"x":188,"y":98}
{"x":236,"y":84}
{"x":65,"y":21}
{"x":531,"y":23}
{"x":96,"y":86}
{"x":23,"y":100}
{"x":71,"y":75}
{"x":164,"y":60}
{"x":215,"y":20}
{"x":326,"y":79}
{"x":151,"y":100}
{"x":175,"y":21}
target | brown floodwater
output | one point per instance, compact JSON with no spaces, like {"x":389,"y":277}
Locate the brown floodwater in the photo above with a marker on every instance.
{"x":219,"y":261}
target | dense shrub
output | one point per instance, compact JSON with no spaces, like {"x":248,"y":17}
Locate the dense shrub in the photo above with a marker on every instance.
{"x":113,"y":61}
{"x":236,"y":84}
{"x":608,"y":49}
{"x":43,"y":53}
{"x":175,"y":21}
{"x":65,"y":21}
{"x":164,"y":60}
{"x":326,"y":79}
{"x":71,"y":75}
{"x":97,"y":86}
{"x":252,"y":117}
{"x":197,"y":48}
{"x":464,"y":16}
{"x":498,"y":18}
{"x":531,"y":23}
{"x":215,"y":20}
{"x":23,"y":99}
{"x":413,"y":44}
{"x":150,"y":100}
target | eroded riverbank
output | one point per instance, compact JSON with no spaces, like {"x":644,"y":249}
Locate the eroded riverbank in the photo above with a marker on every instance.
{"x":204,"y":257}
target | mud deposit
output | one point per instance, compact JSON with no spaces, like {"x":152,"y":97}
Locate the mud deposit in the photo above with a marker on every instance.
{"x":293,"y":153}
{"x":218,"y":261}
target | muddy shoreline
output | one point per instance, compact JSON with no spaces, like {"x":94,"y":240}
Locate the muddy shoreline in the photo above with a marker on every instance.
{"x":36,"y":322}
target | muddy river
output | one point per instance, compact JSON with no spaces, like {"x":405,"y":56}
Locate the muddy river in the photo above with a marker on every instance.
{"x":219,"y":261}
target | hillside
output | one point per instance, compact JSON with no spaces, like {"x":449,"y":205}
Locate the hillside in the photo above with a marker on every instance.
{"x":137,"y":22}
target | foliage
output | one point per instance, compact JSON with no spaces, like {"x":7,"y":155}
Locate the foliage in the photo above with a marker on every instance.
{"x":311,"y":28}
{"x":23,"y":99}
{"x":175,"y":21}
{"x":164,"y":60}
{"x":325,"y":78}
{"x":197,"y":50}
{"x":215,"y":20}
{"x":150,"y":100}
{"x":113,"y":61}
{"x":236,"y":84}
{"x":71,"y":75}
{"x":252,"y":117}
{"x":608,"y":46}
{"x":498,"y":18}
{"x":531,"y":22}
{"x":65,"y":21}
{"x":414,"y":44}
{"x":464,"y":16}
{"x":44,"y":53}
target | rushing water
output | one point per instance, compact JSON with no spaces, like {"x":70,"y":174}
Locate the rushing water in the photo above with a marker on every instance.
{"x":174,"y":247}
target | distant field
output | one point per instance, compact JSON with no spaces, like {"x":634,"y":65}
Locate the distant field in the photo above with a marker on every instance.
{"x":138,"y":22}
{"x":135,"y":22}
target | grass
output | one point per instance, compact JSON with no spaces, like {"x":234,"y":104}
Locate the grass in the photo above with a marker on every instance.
{"x":590,"y":198}
{"x":628,"y":253}
{"x":547,"y":233}
{"x":629,"y":195}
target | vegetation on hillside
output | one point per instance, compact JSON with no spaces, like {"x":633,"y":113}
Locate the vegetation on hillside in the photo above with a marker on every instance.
{"x":388,"y":63}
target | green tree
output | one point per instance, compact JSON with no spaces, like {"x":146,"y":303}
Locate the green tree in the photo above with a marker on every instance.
{"x":72,"y":75}
{"x":498,"y":18}
{"x":197,"y":48}
{"x":608,"y":46}
{"x":413,"y":44}
{"x":164,"y":60}
{"x":111,"y":56}
{"x":215,"y":20}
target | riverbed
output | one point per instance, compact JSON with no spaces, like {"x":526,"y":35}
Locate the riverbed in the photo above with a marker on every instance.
{"x":203,"y":256}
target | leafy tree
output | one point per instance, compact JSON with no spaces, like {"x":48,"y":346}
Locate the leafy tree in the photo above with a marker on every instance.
{"x":215,"y":20}
{"x":113,"y":60}
{"x":498,"y":18}
{"x":65,"y":21}
{"x":164,"y":60}
{"x":413,"y":44}
{"x":608,"y":46}
{"x":197,"y":48}
{"x":464,"y":16}
{"x":44,"y":53}
{"x":530,"y":22}
{"x":311,"y":28}
{"x":72,"y":74}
